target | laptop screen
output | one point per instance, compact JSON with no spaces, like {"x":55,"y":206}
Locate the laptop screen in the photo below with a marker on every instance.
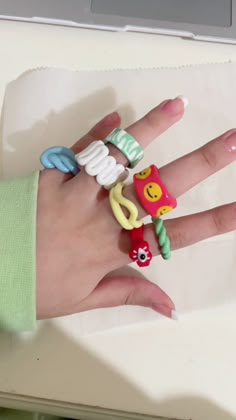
{"x":199,"y":12}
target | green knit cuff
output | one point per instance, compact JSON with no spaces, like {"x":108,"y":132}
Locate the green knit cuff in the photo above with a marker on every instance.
{"x":18,"y":208}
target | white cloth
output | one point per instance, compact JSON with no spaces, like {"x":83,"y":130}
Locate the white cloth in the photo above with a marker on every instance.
{"x":59,"y":106}
{"x":55,"y":107}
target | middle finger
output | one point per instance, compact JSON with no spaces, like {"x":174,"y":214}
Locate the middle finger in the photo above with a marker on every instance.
{"x":145,"y":130}
{"x":189,"y":170}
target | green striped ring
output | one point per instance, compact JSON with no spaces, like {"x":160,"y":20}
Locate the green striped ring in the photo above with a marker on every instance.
{"x":163,"y":238}
{"x":127,"y":145}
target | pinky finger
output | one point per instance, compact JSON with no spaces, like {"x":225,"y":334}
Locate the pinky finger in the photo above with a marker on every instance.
{"x":187,"y":230}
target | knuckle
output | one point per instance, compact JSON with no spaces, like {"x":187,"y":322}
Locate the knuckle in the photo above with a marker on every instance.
{"x":151,"y":120}
{"x":178,"y":238}
{"x":234,"y":211}
{"x":222,"y":223}
{"x":209,"y":157}
{"x":219,"y":221}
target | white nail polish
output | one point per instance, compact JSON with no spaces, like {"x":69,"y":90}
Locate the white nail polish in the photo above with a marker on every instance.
{"x":174,"y":315}
{"x":184,"y":99}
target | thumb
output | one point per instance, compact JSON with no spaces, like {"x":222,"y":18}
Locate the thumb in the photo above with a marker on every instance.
{"x":129,"y":289}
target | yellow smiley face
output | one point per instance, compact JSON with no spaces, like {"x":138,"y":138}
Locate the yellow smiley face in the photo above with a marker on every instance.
{"x":144,"y":174}
{"x":152,"y":192}
{"x":163,"y":210}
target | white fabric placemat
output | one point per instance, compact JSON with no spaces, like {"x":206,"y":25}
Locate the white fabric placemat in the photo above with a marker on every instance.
{"x":49,"y":107}
{"x":55,"y":106}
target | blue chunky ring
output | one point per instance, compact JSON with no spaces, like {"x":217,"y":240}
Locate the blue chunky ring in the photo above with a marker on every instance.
{"x":60,"y":158}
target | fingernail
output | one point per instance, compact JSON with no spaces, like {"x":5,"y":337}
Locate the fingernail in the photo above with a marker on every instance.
{"x":166,"y":311}
{"x":184,"y":99}
{"x":174,"y":315}
{"x":230,"y":141}
{"x":174,"y":107}
{"x":110,"y":119}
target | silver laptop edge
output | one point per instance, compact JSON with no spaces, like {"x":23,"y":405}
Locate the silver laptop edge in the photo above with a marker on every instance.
{"x":124,"y":16}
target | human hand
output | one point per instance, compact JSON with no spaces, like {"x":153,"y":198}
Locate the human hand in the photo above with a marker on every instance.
{"x":80,"y":244}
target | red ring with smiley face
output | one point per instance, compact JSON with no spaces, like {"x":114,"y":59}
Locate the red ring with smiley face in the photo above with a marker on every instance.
{"x":152,"y":193}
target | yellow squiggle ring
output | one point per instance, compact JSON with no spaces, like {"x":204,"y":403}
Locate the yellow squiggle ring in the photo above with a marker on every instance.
{"x":116,"y":201}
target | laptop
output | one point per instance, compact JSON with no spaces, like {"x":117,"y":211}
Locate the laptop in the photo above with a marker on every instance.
{"x":204,"y":20}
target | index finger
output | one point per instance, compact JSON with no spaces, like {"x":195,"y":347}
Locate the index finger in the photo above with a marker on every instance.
{"x":158,"y":120}
{"x":153,"y":124}
{"x":145,"y":130}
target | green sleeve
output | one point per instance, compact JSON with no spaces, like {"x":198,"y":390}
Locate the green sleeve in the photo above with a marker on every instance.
{"x":18,"y":205}
{"x":6,"y":414}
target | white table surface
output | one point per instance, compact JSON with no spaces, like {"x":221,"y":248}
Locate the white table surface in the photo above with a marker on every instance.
{"x":117,"y":368}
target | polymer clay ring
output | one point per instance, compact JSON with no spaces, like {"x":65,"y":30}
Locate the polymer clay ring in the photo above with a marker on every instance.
{"x":163,"y":238}
{"x":60,"y":158}
{"x":127,"y":145}
{"x":140,"y":252}
{"x":152,"y":193}
{"x":116,"y":201}
{"x":97,"y":163}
